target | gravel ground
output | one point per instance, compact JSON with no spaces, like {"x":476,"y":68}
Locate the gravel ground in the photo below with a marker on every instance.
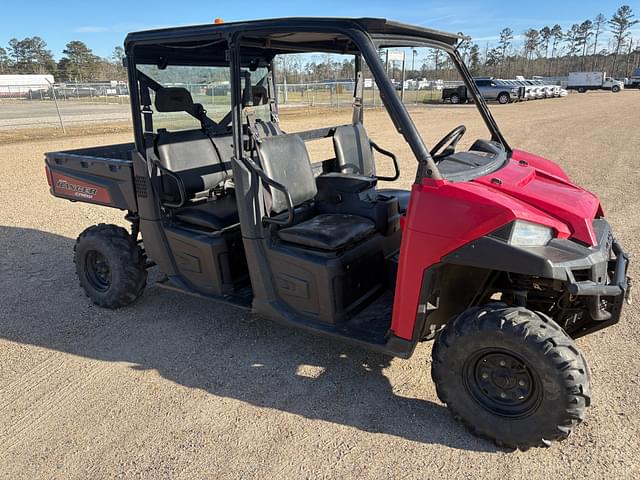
{"x":175,"y":387}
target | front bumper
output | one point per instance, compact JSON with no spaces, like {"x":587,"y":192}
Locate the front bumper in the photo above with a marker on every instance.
{"x":604,"y":299}
{"x":619,"y":284}
{"x":596,"y":275}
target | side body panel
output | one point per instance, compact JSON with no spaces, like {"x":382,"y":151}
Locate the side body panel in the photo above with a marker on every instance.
{"x":443,"y":216}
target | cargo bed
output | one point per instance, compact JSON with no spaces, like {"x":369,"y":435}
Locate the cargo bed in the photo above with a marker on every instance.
{"x":101,"y":175}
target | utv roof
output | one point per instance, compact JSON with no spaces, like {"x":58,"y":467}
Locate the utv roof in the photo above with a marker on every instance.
{"x":308,"y":27}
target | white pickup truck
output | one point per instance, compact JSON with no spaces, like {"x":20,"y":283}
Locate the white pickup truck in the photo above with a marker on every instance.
{"x":583,"y":81}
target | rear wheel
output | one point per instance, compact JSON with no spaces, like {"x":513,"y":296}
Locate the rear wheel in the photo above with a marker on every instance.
{"x":454,"y":98}
{"x":503,"y":98}
{"x":511,"y":375}
{"x":582,"y":90}
{"x":110,"y":266}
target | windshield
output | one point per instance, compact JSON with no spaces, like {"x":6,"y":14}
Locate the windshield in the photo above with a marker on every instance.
{"x":436,"y":97}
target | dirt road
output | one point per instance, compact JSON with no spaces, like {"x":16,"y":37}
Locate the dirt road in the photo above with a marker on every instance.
{"x":34,"y":114}
{"x":174,"y":387}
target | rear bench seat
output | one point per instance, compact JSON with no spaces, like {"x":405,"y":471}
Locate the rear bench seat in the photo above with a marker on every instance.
{"x":203,"y":165}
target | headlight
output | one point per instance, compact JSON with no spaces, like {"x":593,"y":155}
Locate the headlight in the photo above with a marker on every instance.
{"x":527,"y":234}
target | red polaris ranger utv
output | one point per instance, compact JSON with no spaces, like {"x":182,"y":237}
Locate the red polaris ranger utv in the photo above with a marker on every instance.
{"x":493,"y":253}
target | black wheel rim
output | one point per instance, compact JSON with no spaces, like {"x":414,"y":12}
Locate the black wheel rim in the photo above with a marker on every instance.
{"x":97,"y":271}
{"x":502,"y":383}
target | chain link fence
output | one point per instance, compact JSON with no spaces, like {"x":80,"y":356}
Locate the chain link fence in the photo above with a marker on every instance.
{"x":114,"y":92}
{"x":340,"y":94}
{"x":80,"y":104}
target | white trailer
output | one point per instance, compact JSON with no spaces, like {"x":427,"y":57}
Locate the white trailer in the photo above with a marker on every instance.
{"x":583,"y":81}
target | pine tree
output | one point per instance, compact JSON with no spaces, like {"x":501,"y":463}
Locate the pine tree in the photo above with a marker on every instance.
{"x":620,"y":25}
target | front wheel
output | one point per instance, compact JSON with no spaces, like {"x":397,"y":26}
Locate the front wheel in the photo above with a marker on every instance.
{"x":110,"y":266}
{"x":454,"y":98}
{"x":511,"y":375}
{"x":615,"y":88}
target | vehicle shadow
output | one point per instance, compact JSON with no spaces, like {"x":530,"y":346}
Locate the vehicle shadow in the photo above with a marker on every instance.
{"x":216,"y":348}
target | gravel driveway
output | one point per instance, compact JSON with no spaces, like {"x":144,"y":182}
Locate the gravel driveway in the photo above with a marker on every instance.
{"x":176,"y":387}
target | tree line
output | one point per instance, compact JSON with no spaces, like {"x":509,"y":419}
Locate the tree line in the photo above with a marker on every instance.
{"x":602,"y":43}
{"x":78,"y":64}
{"x":599,"y":44}
{"x":552,"y":51}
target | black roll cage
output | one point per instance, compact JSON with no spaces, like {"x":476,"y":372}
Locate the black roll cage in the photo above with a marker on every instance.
{"x":365,"y":43}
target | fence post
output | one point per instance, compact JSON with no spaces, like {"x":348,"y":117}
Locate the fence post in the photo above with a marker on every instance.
{"x":55,"y":99}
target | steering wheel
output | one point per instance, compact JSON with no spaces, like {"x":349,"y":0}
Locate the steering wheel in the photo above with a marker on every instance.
{"x":451,"y":139}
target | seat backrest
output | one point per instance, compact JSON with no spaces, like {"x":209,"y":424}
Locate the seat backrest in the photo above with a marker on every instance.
{"x":285,"y":159}
{"x":173,"y":99}
{"x":201,"y":162}
{"x":267,"y":129}
{"x":353,"y":150}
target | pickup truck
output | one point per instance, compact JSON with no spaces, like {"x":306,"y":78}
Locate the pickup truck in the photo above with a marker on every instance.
{"x":490,"y":89}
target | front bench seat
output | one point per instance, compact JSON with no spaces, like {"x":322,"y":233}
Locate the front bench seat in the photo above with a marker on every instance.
{"x":329,"y":231}
{"x":354,"y":154}
{"x":285,"y":159}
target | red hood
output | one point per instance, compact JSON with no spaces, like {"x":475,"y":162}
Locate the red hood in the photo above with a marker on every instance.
{"x":543,"y":185}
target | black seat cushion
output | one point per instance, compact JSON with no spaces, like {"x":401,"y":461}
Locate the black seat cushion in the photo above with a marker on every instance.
{"x":214,"y":214}
{"x":328,"y":231}
{"x":402,"y":196}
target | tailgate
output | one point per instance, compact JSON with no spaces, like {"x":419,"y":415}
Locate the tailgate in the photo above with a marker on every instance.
{"x":101,"y":175}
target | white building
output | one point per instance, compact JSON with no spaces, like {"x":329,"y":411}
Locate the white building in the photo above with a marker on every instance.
{"x":20,"y":85}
